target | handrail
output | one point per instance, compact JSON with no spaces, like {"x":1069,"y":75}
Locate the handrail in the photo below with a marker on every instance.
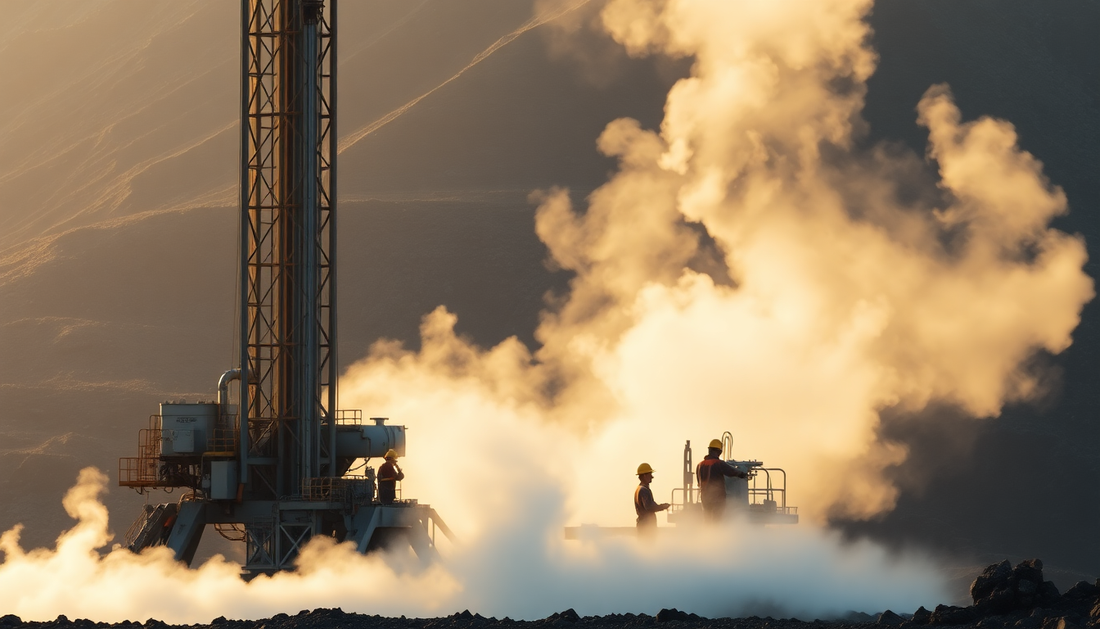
{"x":442,"y":526}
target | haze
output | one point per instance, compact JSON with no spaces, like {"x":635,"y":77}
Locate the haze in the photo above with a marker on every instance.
{"x":924,"y":376}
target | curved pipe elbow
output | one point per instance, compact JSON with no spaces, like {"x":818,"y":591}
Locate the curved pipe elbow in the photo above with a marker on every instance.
{"x":223,"y":385}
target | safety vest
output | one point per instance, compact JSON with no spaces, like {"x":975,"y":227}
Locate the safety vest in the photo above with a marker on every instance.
{"x":712,"y":485}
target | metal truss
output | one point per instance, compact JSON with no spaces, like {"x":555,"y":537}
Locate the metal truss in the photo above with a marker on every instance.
{"x":288,"y":243}
{"x":288,"y":240}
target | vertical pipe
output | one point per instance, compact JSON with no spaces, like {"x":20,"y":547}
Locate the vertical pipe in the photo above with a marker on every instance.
{"x":309,"y":270}
{"x":243,"y":400}
{"x":689,"y":476}
{"x":332,"y":144}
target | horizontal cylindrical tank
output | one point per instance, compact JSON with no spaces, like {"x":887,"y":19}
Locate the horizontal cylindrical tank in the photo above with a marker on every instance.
{"x":369,"y":440}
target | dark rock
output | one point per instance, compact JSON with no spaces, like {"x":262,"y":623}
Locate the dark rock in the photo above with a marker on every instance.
{"x":994,"y":622}
{"x":9,"y":620}
{"x":1001,"y":589}
{"x":994,"y":577}
{"x":1034,"y":620}
{"x":1048,"y":593}
{"x":1060,"y":623}
{"x":922,"y":616}
{"x":1029,"y":570}
{"x":951,"y":615}
{"x":220,"y":620}
{"x":665,"y":615}
{"x":568,"y":615}
{"x":1000,"y":601}
{"x":464,"y":614}
{"x":889,"y":618}
{"x":1082,"y":590}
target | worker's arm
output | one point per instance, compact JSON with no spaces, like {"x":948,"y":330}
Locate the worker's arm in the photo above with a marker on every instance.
{"x":390,"y":472}
{"x":730,"y":470}
{"x":645,"y":497}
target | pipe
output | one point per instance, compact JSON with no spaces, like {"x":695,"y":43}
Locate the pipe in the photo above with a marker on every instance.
{"x":246,"y":177}
{"x":223,"y":386}
{"x":223,"y":401}
{"x":333,"y":359}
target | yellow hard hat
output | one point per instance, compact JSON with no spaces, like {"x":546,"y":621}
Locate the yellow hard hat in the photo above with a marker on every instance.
{"x":391,"y":454}
{"x":644,"y":468}
{"x":716,"y":444}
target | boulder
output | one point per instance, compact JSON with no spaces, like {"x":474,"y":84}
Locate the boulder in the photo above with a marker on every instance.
{"x":1030,"y":622}
{"x":1061,"y":622}
{"x":1048,"y":593}
{"x":569,"y":615}
{"x":665,"y":615}
{"x":951,"y":615}
{"x":1000,"y":588}
{"x":1082,"y":590}
{"x":889,"y":619}
{"x":1029,"y":570}
{"x":993,"y":578}
{"x":922,"y":616}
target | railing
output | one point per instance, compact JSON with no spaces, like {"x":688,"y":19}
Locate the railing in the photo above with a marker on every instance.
{"x":136,"y":471}
{"x":146,"y":470}
{"x":763,"y":499}
{"x":143,"y":470}
{"x":766,"y":499}
{"x":349,"y":417}
{"x":222,"y":443}
{"x":347,"y":490}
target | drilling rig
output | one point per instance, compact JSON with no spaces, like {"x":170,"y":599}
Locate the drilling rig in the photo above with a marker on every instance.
{"x":272,"y":470}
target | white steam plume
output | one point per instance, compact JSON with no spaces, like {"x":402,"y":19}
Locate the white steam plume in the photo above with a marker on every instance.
{"x":522,"y":568}
{"x":840,"y":298}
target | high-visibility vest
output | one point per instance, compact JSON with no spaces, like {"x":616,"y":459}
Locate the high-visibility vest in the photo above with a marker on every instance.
{"x":712,"y":488}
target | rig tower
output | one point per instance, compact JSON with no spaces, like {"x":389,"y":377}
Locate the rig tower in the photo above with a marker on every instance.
{"x":272,"y":470}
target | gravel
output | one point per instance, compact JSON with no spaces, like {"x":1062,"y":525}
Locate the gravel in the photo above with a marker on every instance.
{"x":1004,"y":598}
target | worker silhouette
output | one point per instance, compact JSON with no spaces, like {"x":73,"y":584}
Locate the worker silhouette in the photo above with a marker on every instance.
{"x":644,"y":505}
{"x":711,"y":474}
{"x":388,"y":475}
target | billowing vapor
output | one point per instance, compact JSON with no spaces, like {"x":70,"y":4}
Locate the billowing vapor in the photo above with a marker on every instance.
{"x":749,"y":267}
{"x":521,"y":568}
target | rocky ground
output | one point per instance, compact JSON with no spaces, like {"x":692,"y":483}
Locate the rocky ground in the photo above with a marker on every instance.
{"x":1005,"y":597}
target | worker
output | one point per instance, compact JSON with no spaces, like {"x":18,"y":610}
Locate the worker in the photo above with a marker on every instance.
{"x":711,"y":474}
{"x":388,"y":475}
{"x":644,"y":505}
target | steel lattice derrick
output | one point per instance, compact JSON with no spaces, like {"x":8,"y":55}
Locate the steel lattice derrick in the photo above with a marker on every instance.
{"x":288,"y":232}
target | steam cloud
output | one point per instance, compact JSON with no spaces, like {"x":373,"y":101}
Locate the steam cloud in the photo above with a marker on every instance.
{"x":522,"y":568}
{"x":748,"y":268}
